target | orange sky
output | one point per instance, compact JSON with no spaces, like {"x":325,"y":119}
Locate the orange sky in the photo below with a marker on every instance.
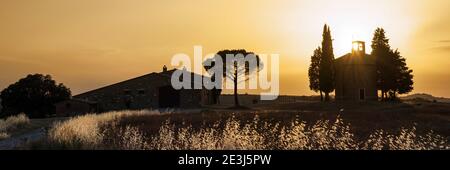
{"x":86,"y":44}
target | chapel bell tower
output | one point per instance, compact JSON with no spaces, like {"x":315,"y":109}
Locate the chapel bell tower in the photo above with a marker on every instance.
{"x":359,"y":47}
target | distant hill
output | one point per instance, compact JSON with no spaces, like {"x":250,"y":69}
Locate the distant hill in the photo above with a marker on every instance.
{"x":427,"y":97}
{"x":254,"y":99}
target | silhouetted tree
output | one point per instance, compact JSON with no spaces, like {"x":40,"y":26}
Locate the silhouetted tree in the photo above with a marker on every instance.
{"x":384,"y":62}
{"x":313,"y":72}
{"x":403,"y":75}
{"x":236,"y":69}
{"x":33,"y":95}
{"x":326,"y":70}
{"x":393,"y":75}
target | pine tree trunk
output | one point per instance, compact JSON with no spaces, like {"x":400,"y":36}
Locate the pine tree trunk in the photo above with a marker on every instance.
{"x":327,"y":97}
{"x":236,"y":100}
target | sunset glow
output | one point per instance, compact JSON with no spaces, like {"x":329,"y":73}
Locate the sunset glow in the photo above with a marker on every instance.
{"x":224,"y":83}
{"x":87,"y":44}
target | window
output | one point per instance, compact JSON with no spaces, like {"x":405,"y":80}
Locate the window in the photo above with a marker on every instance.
{"x":141,"y":91}
{"x":362,"y":94}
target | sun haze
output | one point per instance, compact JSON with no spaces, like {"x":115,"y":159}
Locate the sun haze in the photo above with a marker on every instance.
{"x":86,"y":44}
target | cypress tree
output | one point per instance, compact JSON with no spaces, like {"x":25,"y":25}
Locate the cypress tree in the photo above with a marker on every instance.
{"x":313,"y":72}
{"x":326,"y":70}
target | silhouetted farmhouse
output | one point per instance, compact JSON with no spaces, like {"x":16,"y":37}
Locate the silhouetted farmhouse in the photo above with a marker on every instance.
{"x":151,"y":91}
{"x":356,"y":75}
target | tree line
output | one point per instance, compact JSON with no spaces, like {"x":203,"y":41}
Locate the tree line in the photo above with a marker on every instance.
{"x":393,"y":75}
{"x":35,"y":94}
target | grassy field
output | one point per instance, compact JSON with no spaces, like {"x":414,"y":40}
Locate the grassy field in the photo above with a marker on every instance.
{"x":306,"y":125}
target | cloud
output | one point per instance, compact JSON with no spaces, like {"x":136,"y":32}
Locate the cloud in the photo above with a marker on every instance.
{"x":18,"y":60}
{"x":442,"y":48}
{"x":443,"y":41}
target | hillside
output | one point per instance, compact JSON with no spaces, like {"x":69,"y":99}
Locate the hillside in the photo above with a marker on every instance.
{"x":427,"y":97}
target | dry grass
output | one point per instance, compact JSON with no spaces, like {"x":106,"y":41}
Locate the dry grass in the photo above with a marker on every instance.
{"x":88,"y":131}
{"x":12,"y":123}
{"x":323,"y":135}
{"x":114,"y":130}
{"x":4,"y":135}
